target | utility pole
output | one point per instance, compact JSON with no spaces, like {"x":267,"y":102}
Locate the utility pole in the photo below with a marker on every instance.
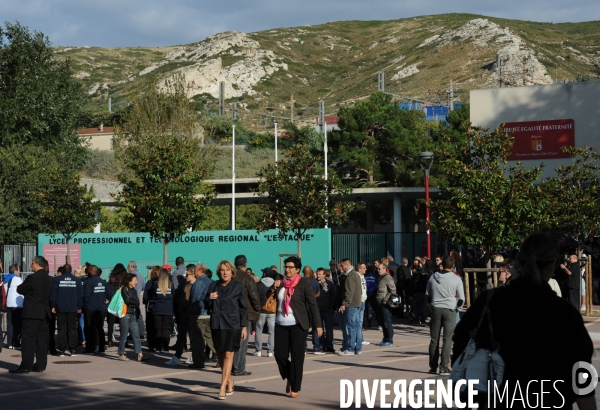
{"x":381,"y":81}
{"x":524,"y":71}
{"x":451,"y":105}
{"x":109,"y":104}
{"x":322,"y":115}
{"x":221,"y":97}
{"x":234,"y":111}
{"x":292,"y":109}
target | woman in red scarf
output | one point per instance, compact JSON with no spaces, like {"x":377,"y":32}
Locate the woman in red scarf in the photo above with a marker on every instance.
{"x":291,"y":324}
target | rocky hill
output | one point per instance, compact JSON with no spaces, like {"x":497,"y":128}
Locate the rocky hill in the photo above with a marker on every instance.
{"x":338,"y":62}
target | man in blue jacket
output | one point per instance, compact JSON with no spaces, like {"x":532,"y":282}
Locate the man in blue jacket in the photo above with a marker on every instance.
{"x":97,"y":295}
{"x":66,"y":300}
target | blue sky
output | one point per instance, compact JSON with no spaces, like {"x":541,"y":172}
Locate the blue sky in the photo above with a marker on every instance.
{"x":112,"y":23}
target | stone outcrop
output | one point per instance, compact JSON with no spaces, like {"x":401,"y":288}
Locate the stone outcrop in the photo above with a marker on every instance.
{"x":252,"y":64}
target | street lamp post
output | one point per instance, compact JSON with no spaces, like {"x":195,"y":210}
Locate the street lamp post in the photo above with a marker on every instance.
{"x":426,"y":161}
{"x":233,"y":178}
{"x":275,"y":142}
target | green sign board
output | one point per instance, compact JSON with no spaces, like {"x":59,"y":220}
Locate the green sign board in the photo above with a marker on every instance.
{"x":209,"y":247}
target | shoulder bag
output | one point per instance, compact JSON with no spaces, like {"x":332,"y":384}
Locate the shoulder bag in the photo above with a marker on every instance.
{"x":480,"y":364}
{"x":270,"y":305}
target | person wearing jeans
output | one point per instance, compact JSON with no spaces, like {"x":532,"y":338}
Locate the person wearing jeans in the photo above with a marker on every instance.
{"x":350,"y":308}
{"x":361,"y":268}
{"x":266,"y":287}
{"x":14,"y":307}
{"x":384,"y":291}
{"x":441,"y":294}
{"x":128,"y":323}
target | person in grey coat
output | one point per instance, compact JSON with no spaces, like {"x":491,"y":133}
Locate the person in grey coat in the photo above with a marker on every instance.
{"x":444,"y":294}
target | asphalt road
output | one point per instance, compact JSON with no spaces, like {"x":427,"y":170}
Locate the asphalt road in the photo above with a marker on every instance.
{"x":85,"y":382}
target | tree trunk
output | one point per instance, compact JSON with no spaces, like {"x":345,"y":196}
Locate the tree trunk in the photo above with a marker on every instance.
{"x":68,"y":261}
{"x":165,"y":252}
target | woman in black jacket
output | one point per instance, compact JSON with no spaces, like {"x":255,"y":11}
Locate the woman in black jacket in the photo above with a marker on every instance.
{"x":161,"y":299}
{"x":114,"y":280}
{"x":228,"y":321}
{"x":129,"y":321}
{"x":291,"y":324}
{"x":150,"y":326}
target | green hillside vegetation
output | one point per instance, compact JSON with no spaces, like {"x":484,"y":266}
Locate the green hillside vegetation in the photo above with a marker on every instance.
{"x":339,"y":61}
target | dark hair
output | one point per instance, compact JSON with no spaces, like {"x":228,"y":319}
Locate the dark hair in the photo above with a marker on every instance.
{"x":12,"y":268}
{"x":295,"y":260}
{"x":448,"y":262}
{"x":345,"y":260}
{"x":536,"y":253}
{"x":41,"y":261}
{"x":240,"y":261}
{"x":94,"y":270}
{"x":67,"y":268}
{"x":208,"y":273}
{"x":127,"y":278}
{"x":179,"y":261}
{"x":60,"y":269}
{"x":190,"y":266}
{"x":118,"y":270}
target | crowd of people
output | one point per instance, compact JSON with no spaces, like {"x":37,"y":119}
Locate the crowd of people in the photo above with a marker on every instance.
{"x":223,"y":314}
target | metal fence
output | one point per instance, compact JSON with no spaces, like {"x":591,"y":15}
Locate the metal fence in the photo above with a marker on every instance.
{"x":21,"y":254}
{"x":366,"y":247}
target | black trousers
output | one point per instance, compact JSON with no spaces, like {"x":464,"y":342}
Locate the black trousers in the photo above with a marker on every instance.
{"x":94,"y":330}
{"x":289,"y":344}
{"x":111,"y":320}
{"x":51,"y":332}
{"x":196,"y":342}
{"x":373,"y":307}
{"x":34,"y":343}
{"x":163,"y":325}
{"x":182,"y":327}
{"x":388,"y":329}
{"x":13,"y":326}
{"x":150,"y":330}
{"x":67,"y":330}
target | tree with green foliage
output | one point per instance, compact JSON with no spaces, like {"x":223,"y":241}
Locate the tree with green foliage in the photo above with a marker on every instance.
{"x":378,"y":145}
{"x":68,"y":206}
{"x":299,"y":196}
{"x":574,"y":196}
{"x":163,"y":163}
{"x":489,"y":202}
{"x":380,"y":141}
{"x":39,"y":98}
{"x":218,"y":130}
{"x":24,"y":173}
{"x":113,"y":219}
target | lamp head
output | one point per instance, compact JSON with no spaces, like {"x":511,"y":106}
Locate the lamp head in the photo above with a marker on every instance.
{"x":426,"y":160}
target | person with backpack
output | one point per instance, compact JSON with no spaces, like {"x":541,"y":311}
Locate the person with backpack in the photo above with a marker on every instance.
{"x":13,"y":303}
{"x":266,"y":290}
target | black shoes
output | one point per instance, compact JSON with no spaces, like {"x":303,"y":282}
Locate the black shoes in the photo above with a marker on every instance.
{"x":36,"y":370}
{"x":244,"y":373}
{"x":19,"y":370}
{"x":73,"y":353}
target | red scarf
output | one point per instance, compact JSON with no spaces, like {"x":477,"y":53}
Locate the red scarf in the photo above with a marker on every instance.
{"x":289,"y":286}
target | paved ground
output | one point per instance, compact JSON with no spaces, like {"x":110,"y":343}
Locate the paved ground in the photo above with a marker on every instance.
{"x":101,"y":383}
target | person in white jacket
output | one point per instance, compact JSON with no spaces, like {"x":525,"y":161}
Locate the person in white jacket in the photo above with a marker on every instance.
{"x":14,"y":306}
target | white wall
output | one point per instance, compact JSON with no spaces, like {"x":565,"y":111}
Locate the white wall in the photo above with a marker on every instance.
{"x":577,"y":101}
